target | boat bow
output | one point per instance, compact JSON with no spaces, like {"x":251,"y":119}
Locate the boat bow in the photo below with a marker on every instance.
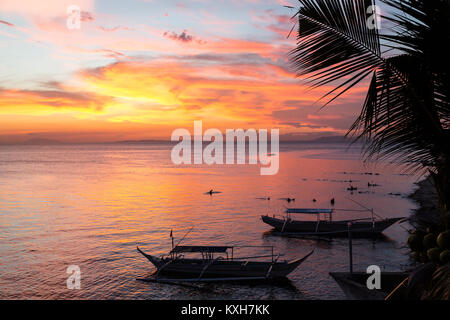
{"x":297,"y":262}
{"x":155,"y":260}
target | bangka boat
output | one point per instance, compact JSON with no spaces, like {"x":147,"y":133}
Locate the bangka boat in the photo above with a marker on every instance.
{"x":217,"y":263}
{"x":325,"y":225}
{"x":354,"y":285}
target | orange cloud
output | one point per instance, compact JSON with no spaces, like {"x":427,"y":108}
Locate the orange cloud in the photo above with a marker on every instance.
{"x":15,"y":101}
{"x":171,"y":89}
{"x":159,"y":79}
{"x":138,"y":96}
{"x":141,"y":98}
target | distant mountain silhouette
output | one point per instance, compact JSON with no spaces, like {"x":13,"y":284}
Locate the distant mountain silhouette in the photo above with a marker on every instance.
{"x":41,"y":141}
{"x":144,"y":141}
{"x":331,"y":139}
{"x":325,"y":139}
{"x":283,"y":139}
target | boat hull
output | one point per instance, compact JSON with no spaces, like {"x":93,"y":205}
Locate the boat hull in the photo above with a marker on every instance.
{"x":221,"y":269}
{"x":338,"y":228}
{"x":199,"y":268}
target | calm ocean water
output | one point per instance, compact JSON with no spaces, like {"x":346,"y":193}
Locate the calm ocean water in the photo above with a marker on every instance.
{"x":90,"y":205}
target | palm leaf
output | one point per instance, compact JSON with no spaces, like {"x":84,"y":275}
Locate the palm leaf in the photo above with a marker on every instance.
{"x":440,"y":284}
{"x":334,"y":43}
{"x":405,"y":116}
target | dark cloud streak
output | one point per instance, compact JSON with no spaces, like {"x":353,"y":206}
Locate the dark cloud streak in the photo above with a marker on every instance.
{"x":7,"y":23}
{"x":182,"y":37}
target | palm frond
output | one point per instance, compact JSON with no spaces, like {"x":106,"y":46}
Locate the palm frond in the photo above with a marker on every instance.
{"x":335,"y":44}
{"x":393,"y":120}
{"x":405,"y":116}
{"x":440,"y":284}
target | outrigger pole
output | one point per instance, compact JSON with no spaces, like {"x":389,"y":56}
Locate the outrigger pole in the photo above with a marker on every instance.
{"x":373,"y":213}
{"x":184,"y":236}
{"x":371,"y":210}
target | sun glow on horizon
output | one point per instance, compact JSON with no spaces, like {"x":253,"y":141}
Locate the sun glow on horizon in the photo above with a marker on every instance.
{"x":123,"y":77}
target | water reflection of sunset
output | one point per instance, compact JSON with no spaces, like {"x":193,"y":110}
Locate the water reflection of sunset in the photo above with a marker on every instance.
{"x":91,"y":205}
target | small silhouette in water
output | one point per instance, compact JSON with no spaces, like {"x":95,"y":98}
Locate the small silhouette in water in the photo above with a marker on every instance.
{"x":268,"y":198}
{"x":211,"y":192}
{"x":372,"y":184}
{"x":288,"y":199}
{"x":314,"y":200}
{"x":332,"y":201}
{"x":352,"y":188}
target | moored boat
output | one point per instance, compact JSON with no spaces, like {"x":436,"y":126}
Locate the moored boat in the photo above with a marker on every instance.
{"x":325,"y":225}
{"x":217,"y":263}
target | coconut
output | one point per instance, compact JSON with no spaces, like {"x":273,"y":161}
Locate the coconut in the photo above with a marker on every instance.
{"x":424,"y":257}
{"x":444,"y":257}
{"x":433,"y":254}
{"x":416,"y":256}
{"x":415,"y":242}
{"x":443,"y":240}
{"x":429,"y":241}
{"x":419,"y":232}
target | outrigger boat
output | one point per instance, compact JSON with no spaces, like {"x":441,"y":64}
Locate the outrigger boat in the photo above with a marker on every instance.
{"x":217,"y":263}
{"x":325,"y":225}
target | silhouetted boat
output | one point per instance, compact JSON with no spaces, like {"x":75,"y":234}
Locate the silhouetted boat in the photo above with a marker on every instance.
{"x":326,"y":226}
{"x":217,"y":264}
{"x":354,"y":285}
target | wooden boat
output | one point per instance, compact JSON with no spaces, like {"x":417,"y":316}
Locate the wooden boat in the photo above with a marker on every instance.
{"x":217,"y":263}
{"x":355,"y":288}
{"x":325,"y":225}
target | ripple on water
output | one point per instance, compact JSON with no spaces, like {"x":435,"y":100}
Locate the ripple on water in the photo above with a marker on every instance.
{"x":91,"y":205}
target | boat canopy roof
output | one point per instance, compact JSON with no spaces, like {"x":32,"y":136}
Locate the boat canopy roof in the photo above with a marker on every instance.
{"x":208,"y":249}
{"x":308,"y":211}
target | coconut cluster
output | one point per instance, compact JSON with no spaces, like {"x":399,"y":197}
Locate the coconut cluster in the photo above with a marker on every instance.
{"x":430,"y":245}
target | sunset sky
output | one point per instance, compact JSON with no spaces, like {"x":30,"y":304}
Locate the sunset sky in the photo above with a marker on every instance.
{"x":139,"y":69}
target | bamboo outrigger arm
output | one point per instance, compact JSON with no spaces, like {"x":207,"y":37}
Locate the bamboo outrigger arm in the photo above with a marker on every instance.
{"x":207,"y":266}
{"x":271,"y":267}
{"x":162,"y":267}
